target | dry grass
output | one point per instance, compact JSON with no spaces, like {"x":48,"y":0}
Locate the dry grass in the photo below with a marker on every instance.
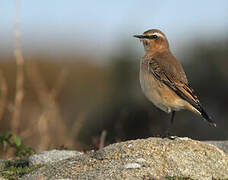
{"x":15,"y":122}
{"x":47,"y":126}
{"x":49,"y":120}
{"x":3,"y":92}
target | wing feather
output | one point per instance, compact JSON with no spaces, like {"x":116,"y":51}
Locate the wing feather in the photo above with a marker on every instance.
{"x":183,"y":90}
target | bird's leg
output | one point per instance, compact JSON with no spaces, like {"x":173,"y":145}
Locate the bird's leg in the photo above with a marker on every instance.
{"x":172,"y":117}
{"x":167,"y":133}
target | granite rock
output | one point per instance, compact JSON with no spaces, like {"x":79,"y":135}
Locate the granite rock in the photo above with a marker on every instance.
{"x":142,"y":159}
{"x":52,"y":156}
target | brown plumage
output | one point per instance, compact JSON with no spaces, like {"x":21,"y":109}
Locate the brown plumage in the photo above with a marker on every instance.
{"x":163,"y":79}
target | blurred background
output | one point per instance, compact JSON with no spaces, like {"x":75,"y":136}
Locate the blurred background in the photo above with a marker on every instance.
{"x":69,"y":70}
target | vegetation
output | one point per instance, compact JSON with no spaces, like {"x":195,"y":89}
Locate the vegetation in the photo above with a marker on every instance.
{"x":9,"y":140}
{"x":15,"y":169}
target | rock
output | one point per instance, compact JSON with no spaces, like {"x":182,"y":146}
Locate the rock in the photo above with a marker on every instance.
{"x":52,"y":156}
{"x":142,"y":159}
{"x":132,"y":166}
{"x":223,"y":145}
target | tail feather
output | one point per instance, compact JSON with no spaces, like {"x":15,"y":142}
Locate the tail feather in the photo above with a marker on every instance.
{"x":192,"y":99}
{"x":206,"y":117}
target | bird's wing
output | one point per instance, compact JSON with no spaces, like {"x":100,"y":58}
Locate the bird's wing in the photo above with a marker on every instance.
{"x":183,"y":90}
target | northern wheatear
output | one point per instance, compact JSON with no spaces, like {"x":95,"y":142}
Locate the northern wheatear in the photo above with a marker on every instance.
{"x":163,"y":79}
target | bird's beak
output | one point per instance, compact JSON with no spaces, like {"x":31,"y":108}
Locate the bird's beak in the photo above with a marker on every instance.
{"x":138,"y":36}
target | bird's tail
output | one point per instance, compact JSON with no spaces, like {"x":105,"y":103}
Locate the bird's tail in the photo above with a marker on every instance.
{"x":206,"y":117}
{"x":188,"y":94}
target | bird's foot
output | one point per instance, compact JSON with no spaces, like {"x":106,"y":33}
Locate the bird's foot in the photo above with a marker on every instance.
{"x":169,"y":136}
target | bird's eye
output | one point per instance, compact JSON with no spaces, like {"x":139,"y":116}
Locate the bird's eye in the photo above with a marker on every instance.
{"x":154,"y":36}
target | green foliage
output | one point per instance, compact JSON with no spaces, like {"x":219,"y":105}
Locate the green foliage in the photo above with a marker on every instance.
{"x":16,"y":140}
{"x":23,"y":150}
{"x":16,"y":169}
{"x":4,"y":139}
{"x":8,"y":139}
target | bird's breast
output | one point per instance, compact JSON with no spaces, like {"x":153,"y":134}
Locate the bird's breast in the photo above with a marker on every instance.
{"x":151,"y":87}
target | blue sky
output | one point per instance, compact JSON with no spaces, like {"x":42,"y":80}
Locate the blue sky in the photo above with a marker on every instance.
{"x":103,"y":25}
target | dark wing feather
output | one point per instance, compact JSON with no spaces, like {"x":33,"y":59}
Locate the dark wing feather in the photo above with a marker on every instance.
{"x":183,"y":90}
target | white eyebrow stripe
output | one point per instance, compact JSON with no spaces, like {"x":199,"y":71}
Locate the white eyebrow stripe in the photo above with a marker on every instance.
{"x":158,"y":34}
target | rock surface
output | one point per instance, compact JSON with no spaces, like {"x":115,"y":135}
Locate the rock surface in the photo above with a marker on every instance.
{"x":223,"y":145}
{"x":51,"y":156}
{"x":142,"y":159}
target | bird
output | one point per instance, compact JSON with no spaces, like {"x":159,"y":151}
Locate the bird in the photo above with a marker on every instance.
{"x":163,"y":80}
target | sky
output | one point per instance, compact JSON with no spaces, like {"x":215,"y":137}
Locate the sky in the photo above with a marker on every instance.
{"x":55,"y":26}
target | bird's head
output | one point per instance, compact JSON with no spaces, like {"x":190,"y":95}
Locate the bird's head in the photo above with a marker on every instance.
{"x":153,"y":40}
